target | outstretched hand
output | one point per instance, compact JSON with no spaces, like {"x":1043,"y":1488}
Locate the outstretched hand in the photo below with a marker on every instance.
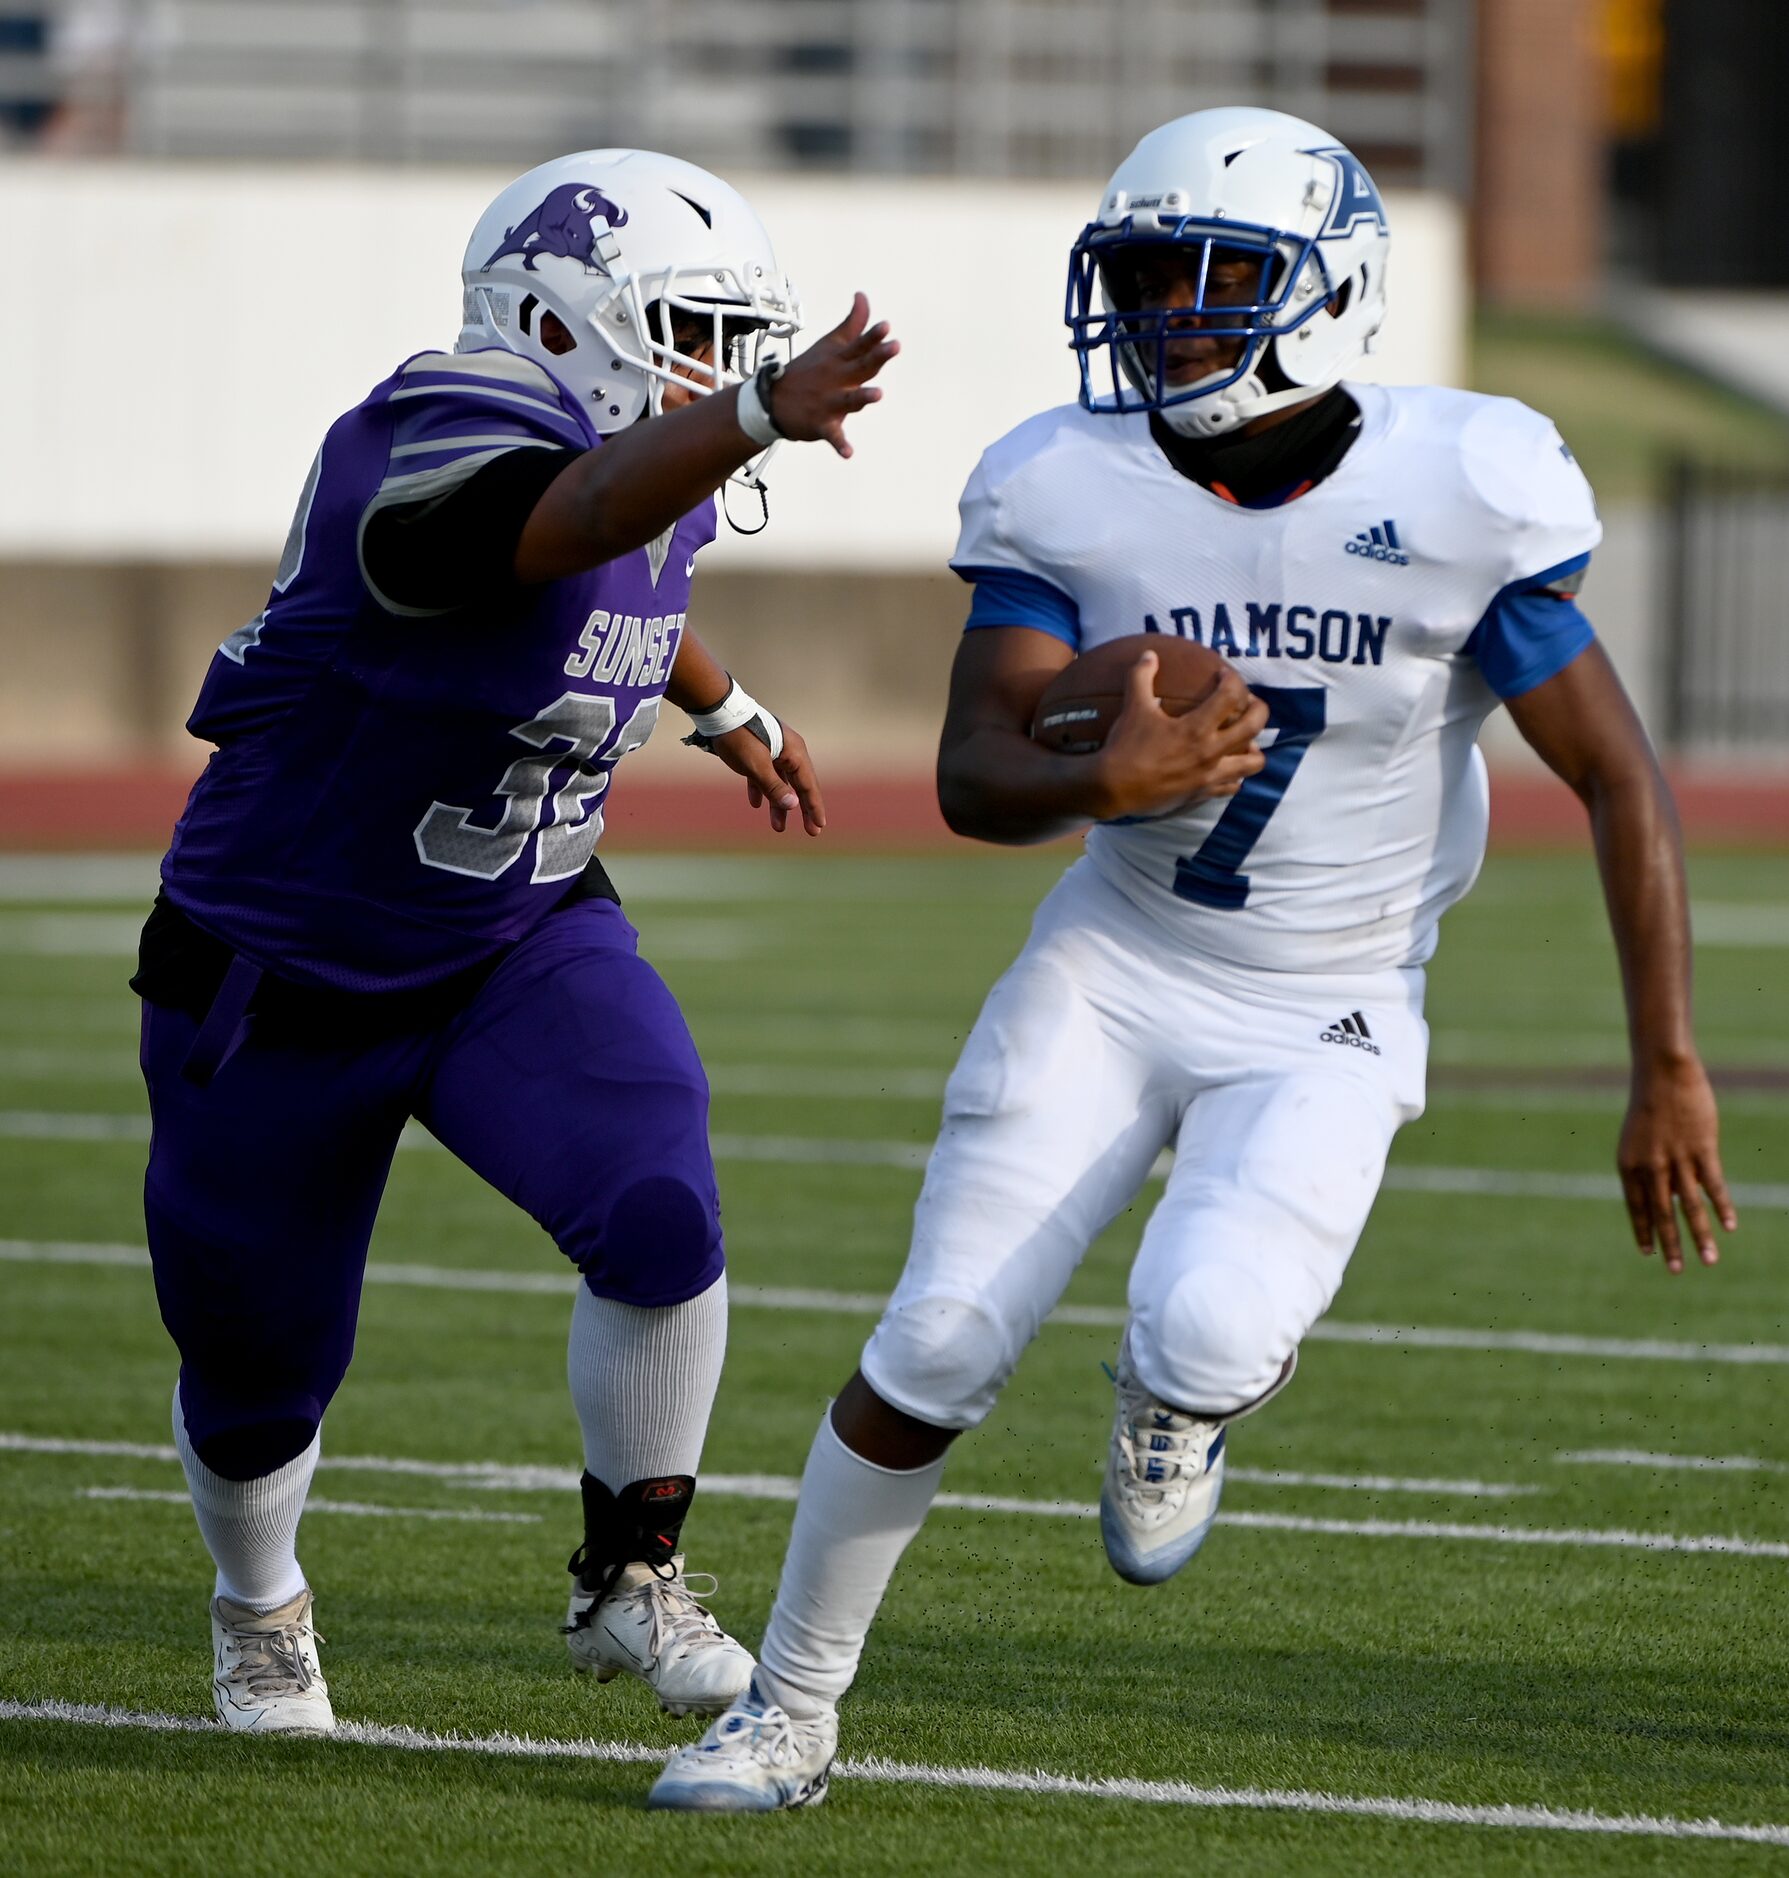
{"x":785,"y":783}
{"x":822,"y":386}
{"x":1669,"y":1156}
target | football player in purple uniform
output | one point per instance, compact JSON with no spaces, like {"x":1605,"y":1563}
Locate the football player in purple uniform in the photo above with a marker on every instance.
{"x":383,"y":902}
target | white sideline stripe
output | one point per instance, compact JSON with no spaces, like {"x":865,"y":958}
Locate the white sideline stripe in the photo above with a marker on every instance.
{"x":1084,"y":1316}
{"x":1618,"y":1538}
{"x":784,"y":1487}
{"x":37,"y":1064}
{"x":64,"y":877}
{"x":51,"y":1125}
{"x":822,"y":1151}
{"x":315,"y":1505}
{"x":1735,"y":923}
{"x":1691,"y":1463}
{"x":507,"y":1477}
{"x":818,"y":1082}
{"x":70,"y":935}
{"x":1549,"y":1343}
{"x":971,"y":1779}
{"x":1383,"y":1483}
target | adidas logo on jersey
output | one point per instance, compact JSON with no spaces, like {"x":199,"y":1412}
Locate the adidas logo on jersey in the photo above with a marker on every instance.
{"x":1352,"y":1032}
{"x":1379,"y":543}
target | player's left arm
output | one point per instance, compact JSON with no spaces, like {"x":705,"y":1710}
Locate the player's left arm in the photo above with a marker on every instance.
{"x":1583,"y":726}
{"x":772,"y":756}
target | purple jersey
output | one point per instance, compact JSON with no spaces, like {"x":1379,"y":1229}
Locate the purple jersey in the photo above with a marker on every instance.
{"x":396,"y":794}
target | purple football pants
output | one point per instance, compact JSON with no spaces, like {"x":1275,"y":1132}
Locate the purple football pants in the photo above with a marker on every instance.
{"x":570,"y":1082}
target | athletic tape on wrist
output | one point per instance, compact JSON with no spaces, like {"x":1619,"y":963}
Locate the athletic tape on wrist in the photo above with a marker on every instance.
{"x":738,"y":710}
{"x":753,"y":412}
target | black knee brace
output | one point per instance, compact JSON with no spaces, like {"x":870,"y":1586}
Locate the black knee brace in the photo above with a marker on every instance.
{"x":638,"y":1525}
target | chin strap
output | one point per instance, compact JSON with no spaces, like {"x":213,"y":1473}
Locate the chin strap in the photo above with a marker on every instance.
{"x":1228,"y":410}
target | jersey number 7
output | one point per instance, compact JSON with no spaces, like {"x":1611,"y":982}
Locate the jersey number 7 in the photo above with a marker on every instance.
{"x":1212,"y":876}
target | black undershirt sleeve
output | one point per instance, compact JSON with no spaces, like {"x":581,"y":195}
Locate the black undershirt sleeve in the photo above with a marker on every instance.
{"x":453,"y":550}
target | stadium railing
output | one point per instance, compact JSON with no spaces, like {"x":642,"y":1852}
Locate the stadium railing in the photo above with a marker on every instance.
{"x":979,"y":87}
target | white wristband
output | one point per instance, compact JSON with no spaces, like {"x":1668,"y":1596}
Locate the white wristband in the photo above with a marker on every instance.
{"x":738,"y":710}
{"x":753,"y":412}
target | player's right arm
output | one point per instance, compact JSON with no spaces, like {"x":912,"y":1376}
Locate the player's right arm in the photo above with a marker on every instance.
{"x":996,"y":784}
{"x":609,"y":501}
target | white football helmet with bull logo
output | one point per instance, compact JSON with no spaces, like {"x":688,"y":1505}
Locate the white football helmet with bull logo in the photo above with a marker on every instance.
{"x":643,"y":258}
{"x":1232,"y":183}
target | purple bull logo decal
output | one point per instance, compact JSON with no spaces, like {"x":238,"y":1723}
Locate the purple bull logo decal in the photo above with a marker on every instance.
{"x":564,"y":224}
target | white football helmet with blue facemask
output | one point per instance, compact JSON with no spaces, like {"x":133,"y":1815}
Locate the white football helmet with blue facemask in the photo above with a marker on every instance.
{"x":630,"y":250}
{"x":1233,"y":183}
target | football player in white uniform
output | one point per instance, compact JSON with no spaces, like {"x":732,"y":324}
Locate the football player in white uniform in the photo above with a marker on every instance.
{"x":1234,"y":970}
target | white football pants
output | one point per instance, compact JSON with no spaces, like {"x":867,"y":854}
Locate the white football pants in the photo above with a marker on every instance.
{"x":1278,"y":1092}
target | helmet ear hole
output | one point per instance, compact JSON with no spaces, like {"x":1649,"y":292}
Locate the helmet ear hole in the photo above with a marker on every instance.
{"x":1343,"y":297}
{"x":555,"y":335}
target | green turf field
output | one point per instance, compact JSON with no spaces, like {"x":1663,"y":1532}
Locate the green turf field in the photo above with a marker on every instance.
{"x":1367,"y":1626}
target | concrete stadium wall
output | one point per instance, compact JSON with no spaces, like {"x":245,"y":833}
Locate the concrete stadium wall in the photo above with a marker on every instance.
{"x":204,"y":324}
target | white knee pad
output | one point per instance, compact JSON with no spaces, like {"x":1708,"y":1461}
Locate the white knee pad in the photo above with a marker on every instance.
{"x":1217,"y":1341}
{"x":941,"y":1360}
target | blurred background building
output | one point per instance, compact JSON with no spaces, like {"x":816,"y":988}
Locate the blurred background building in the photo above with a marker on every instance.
{"x":242,"y":212}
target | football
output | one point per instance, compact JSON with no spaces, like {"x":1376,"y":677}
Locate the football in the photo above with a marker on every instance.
{"x":1081,"y":702}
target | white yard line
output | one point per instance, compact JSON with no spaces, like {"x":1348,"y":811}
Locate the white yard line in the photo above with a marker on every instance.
{"x":784,"y":1487}
{"x":523,"y":1477}
{"x":831,"y":1151}
{"x":114,"y":1065}
{"x":317,"y":1505}
{"x":56,"y":1125}
{"x":53,"y":878}
{"x":1384,"y":1483}
{"x":874,"y":1768}
{"x":1086,"y":1316}
{"x":1672,"y":1463}
{"x":1551,"y":1343}
{"x":821,"y":1082}
{"x":1736,"y":923}
{"x":70,"y":935}
{"x":826,"y":1081}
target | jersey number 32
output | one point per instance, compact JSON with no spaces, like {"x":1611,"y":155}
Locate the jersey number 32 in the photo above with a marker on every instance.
{"x":447,"y":837}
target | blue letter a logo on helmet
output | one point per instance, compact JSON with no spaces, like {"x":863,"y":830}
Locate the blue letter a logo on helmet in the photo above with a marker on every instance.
{"x":1356,"y":198}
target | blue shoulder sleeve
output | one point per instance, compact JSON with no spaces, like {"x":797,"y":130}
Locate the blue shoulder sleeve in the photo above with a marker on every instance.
{"x":1532,"y":630}
{"x":1006,"y":597}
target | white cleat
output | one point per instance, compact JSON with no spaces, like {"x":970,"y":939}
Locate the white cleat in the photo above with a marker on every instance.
{"x":649,"y":1625}
{"x":266,"y":1680}
{"x":756,"y":1759}
{"x":1164,"y":1476}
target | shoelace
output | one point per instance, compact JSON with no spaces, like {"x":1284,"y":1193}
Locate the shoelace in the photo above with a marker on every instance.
{"x":765,"y":1735}
{"x":674,"y":1613}
{"x":1179,"y":1460}
{"x":272,"y":1662}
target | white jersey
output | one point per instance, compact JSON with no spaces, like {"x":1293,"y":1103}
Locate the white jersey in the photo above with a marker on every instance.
{"x":1369,"y":614}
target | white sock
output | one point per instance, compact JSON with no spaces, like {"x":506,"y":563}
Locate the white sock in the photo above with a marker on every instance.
{"x":643,"y":1382}
{"x":852,"y":1523}
{"x":250,"y":1527}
